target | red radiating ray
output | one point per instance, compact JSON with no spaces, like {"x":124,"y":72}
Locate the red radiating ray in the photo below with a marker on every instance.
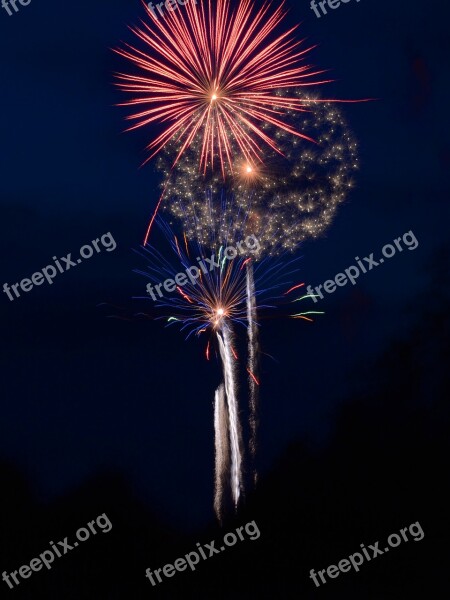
{"x":246,"y":261}
{"x":185,"y":296}
{"x":178,"y":247}
{"x":294,"y":288}
{"x":252,"y":376}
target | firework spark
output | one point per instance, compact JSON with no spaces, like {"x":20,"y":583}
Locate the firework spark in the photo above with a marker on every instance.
{"x":211,"y":71}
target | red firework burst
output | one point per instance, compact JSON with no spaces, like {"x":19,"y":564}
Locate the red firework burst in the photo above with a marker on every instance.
{"x":211,"y":71}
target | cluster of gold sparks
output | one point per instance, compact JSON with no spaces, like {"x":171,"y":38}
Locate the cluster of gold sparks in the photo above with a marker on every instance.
{"x":293,"y":196}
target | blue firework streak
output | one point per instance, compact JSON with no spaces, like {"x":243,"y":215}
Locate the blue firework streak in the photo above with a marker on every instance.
{"x":209,"y":288}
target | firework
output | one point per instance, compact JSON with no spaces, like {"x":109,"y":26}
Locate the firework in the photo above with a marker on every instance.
{"x":219,"y":293}
{"x":216,"y":306}
{"x":209,"y":72}
{"x":283,"y":202}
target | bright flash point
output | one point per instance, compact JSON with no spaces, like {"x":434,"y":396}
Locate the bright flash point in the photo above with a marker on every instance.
{"x":216,"y":319}
{"x":214,"y":97}
{"x":249,"y":169}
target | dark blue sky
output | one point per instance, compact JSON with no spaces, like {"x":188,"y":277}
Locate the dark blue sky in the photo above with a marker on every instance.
{"x":83,"y":393}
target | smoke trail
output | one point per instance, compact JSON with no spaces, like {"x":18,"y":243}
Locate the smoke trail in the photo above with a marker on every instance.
{"x":222,"y":448}
{"x":224,"y":337}
{"x":252,"y":369}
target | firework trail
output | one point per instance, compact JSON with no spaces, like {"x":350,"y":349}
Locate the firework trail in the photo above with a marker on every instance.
{"x":253,"y":360}
{"x":229,"y":375}
{"x":222,"y":449}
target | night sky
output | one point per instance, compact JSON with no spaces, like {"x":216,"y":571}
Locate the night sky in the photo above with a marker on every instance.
{"x":105,"y":412}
